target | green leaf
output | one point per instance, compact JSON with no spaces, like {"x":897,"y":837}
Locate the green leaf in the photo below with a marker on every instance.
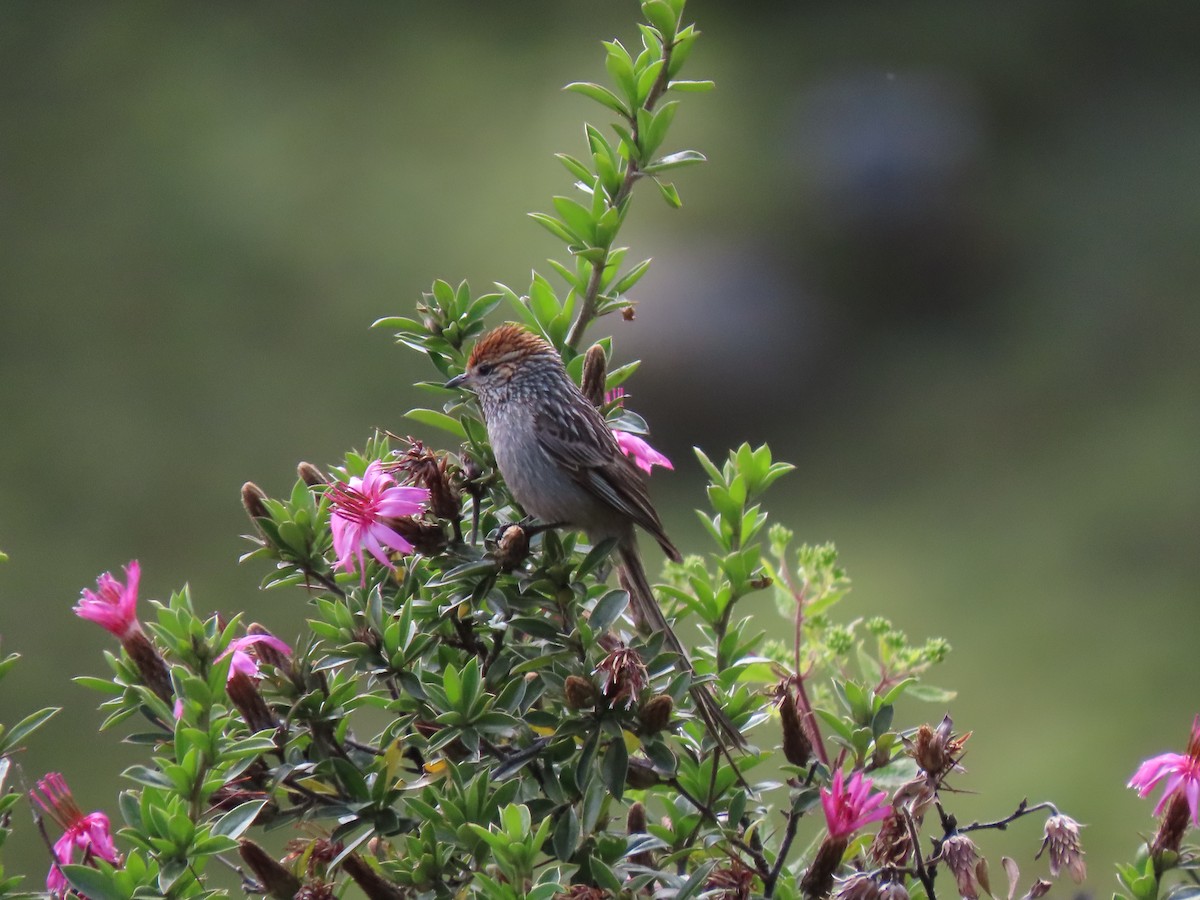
{"x":577,"y":218}
{"x":555,"y":227}
{"x":93,"y":883}
{"x":607,"y":609}
{"x":235,"y":822}
{"x":26,"y":727}
{"x":566,"y":834}
{"x":659,"y":14}
{"x":614,"y":766}
{"x":693,"y":86}
{"x":437,"y":420}
{"x":675,"y":161}
{"x":930,"y":694}
{"x":575,"y":167}
{"x":670,"y":194}
{"x":600,"y":94}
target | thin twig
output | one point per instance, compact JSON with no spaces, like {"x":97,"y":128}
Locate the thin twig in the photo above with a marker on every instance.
{"x":1023,"y":809}
{"x":923,"y":873}
{"x":760,"y":862}
{"x":789,"y":835}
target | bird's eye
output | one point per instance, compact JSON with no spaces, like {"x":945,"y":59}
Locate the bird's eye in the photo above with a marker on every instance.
{"x":484,"y":368}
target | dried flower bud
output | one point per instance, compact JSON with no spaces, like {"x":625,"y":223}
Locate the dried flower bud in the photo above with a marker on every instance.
{"x":316,"y":890}
{"x":627,"y":312}
{"x":1066,"y":852}
{"x":623,"y":676}
{"x":310,"y":474}
{"x":732,"y":882}
{"x":254,"y":500}
{"x":937,"y":750}
{"x":641,"y":775}
{"x":369,"y":881}
{"x":580,"y":692}
{"x":797,"y":748}
{"x":859,"y":886}
{"x":893,"y":844}
{"x":961,"y":857}
{"x":655,"y":713}
{"x":594,"y":374}
{"x":512,"y":548}
{"x":893,"y":890}
{"x":275,"y":878}
{"x":1038,"y":889}
{"x":428,"y":538}
{"x":149,"y":664}
{"x":428,"y":470}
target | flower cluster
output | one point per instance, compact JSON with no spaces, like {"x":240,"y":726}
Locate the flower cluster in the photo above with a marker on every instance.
{"x":85,"y":837}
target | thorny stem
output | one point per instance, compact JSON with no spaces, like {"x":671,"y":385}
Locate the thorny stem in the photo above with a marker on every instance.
{"x":591,"y":294}
{"x":1023,"y":809}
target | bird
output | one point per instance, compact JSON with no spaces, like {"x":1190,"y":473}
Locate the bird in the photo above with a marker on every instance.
{"x":563,"y":465}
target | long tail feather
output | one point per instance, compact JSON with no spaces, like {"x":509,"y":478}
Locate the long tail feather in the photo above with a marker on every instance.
{"x":649,"y":617}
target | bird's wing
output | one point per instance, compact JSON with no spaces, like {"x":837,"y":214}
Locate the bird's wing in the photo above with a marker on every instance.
{"x":579,"y":440}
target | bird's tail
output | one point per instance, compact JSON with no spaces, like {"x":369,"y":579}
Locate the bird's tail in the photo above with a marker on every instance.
{"x":649,"y":617}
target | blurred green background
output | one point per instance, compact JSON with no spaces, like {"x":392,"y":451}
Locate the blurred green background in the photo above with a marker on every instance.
{"x":944,"y":258}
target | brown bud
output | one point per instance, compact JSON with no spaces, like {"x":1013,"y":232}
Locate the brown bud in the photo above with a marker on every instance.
{"x":641,"y":775}
{"x":254,"y":500}
{"x":311,"y":475}
{"x":1170,"y":832}
{"x":316,"y":890}
{"x":430,"y":471}
{"x":1039,"y":889}
{"x":373,"y":884}
{"x":859,"y":886}
{"x":428,"y":538}
{"x":580,"y":692}
{"x":818,"y":880}
{"x":893,"y":890}
{"x":243,"y":693}
{"x":627,"y":313}
{"x":893,"y":844}
{"x":622,"y":676}
{"x":936,"y":750}
{"x":512,"y":548}
{"x":655,"y":713}
{"x":275,"y":878}
{"x":268,"y":654}
{"x":797,"y":748}
{"x":594,"y":375}
{"x":149,"y":664}
{"x":635,"y":823}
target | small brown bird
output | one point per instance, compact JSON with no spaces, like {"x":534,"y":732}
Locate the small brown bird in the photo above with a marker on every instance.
{"x":562,"y":464}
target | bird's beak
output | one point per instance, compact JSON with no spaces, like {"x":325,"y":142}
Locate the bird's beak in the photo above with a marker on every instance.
{"x":458,"y":381}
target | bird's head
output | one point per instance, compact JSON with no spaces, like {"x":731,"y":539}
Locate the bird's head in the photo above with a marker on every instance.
{"x":503,"y":355}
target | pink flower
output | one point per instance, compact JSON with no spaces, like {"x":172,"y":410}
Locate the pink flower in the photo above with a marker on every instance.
{"x":851,"y":806}
{"x":1181,"y":771}
{"x":360,"y":514}
{"x":244,"y":661}
{"x":643,"y":455}
{"x":89,"y":834}
{"x":113,"y":605}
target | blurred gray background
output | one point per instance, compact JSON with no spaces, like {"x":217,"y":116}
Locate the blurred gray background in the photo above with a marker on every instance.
{"x":944,"y":257}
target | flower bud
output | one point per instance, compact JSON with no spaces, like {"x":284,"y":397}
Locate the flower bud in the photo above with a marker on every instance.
{"x":731,"y":882}
{"x":1038,"y":889}
{"x":961,"y":857}
{"x":243,"y":693}
{"x":641,"y":775}
{"x":254,"y":500}
{"x":274,"y":877}
{"x":512,"y":548}
{"x":655,"y":713}
{"x":311,"y":475}
{"x":893,"y":844}
{"x":859,"y":886}
{"x":623,"y":676}
{"x":369,"y":881}
{"x":1169,"y":837}
{"x":797,"y":748}
{"x":150,"y":665}
{"x":937,"y":750}
{"x":594,"y":375}
{"x":893,"y":890}
{"x":580,"y":692}
{"x":818,"y":879}
{"x":635,"y":823}
{"x":1066,"y":852}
